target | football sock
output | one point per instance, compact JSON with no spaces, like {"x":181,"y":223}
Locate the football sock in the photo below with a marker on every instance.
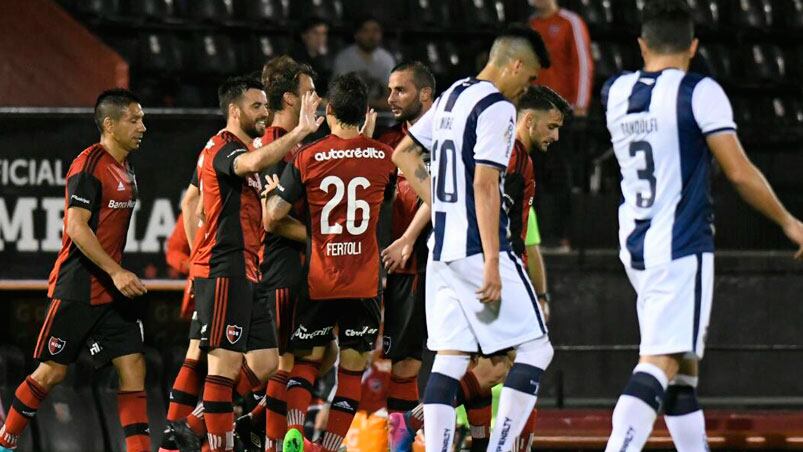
{"x":299,"y":392}
{"x":218,"y":413}
{"x":184,"y":395}
{"x":26,"y":401}
{"x":637,"y":408}
{"x":247,"y":381}
{"x":683,"y":415}
{"x":195,"y":420}
{"x":518,"y":396}
{"x":132,"y":408}
{"x":402,"y":394}
{"x":343,"y":408}
{"x":439,"y":399}
{"x":275,"y":406}
{"x":477,"y":401}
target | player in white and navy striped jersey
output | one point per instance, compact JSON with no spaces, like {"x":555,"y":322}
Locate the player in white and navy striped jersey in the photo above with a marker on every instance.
{"x":665,"y":124}
{"x":478,"y":296}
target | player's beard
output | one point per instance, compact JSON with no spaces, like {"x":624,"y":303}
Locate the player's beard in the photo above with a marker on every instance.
{"x":411,"y":112}
{"x":253,"y":128}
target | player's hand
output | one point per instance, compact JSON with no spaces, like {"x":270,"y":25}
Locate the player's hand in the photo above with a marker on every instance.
{"x":369,"y":125}
{"x":308,"y":121}
{"x":128,"y":284}
{"x":491,"y":289}
{"x":794,"y":230}
{"x":544,"y":308}
{"x":271,"y":182}
{"x":396,"y":254}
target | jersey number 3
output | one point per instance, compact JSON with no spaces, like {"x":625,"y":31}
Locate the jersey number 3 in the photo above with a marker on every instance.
{"x":352,"y":205}
{"x":647,"y":173}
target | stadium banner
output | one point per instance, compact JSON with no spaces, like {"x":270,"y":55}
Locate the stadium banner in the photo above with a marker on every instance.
{"x":36,"y":150}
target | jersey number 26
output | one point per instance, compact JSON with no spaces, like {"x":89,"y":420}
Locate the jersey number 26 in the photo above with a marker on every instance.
{"x":352,"y":205}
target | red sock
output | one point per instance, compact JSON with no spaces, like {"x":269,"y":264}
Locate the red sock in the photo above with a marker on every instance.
{"x":218,"y":415}
{"x":477,"y":402}
{"x":525,"y":440}
{"x":344,"y":407}
{"x":247,"y":381}
{"x":23,"y":408}
{"x":299,"y":392}
{"x":132,"y":407}
{"x":184,"y":395}
{"x":276,"y":406}
{"x":415,"y":417}
{"x":402,"y":394}
{"x":195,"y":421}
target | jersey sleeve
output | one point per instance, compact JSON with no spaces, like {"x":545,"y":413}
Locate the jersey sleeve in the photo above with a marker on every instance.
{"x":274,"y":170}
{"x":83,"y":190}
{"x":291,"y":185}
{"x":421,"y":131}
{"x":223,"y":161}
{"x":495,"y":135}
{"x":533,"y":234}
{"x":711,"y":107}
{"x":194,"y":178}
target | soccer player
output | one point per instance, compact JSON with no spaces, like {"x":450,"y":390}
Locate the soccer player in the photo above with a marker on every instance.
{"x":665,"y":124}
{"x":90,"y":292}
{"x":478,"y":296}
{"x":344,"y":179}
{"x":226,"y":266}
{"x":412,"y":91}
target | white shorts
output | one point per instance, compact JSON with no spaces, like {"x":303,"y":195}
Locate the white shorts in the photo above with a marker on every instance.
{"x":457,"y":320}
{"x":674,"y":304}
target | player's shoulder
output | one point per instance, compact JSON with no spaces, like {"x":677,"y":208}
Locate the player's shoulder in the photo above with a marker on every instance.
{"x":88,"y":160}
{"x":304,"y":152}
{"x":224,"y":142}
{"x":393,"y":135}
{"x":616,"y":79}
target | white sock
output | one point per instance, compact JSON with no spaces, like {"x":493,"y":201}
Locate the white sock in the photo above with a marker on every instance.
{"x":439,"y":396}
{"x":637,"y":409}
{"x":688,"y":431}
{"x":518,"y":397}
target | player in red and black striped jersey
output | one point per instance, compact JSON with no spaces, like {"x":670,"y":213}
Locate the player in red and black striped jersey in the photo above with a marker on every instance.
{"x":225,"y":267}
{"x":411,"y":93}
{"x":344,"y":178}
{"x":90,"y":292}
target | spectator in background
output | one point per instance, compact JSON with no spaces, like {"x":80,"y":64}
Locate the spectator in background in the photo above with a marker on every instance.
{"x":369,"y":60}
{"x":572,"y":76}
{"x":313,"y":49}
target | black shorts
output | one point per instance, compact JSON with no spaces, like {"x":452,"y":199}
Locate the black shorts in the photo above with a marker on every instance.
{"x":108,"y":331}
{"x":282,"y":304}
{"x":357,"y":322}
{"x":405,"y":317}
{"x":230,"y":316}
{"x":195,"y":327}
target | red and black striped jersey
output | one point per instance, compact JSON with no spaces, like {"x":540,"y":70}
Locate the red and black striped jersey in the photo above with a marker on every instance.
{"x":344,"y":182}
{"x":228,"y":244}
{"x":519,"y":194}
{"x":108,"y":189}
{"x":281,"y":260}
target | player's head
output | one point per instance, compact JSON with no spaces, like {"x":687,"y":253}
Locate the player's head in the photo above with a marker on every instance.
{"x":541,"y":113}
{"x":517,"y":56}
{"x":118,"y":115}
{"x":667,"y":28}
{"x":542,"y":5}
{"x":367,"y":33}
{"x":348,"y":101}
{"x":245,"y":105}
{"x":314,"y":35}
{"x":286,"y":80}
{"x":411,"y":90}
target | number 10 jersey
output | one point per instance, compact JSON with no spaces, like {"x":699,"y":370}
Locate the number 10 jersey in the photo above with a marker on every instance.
{"x":658,"y":123}
{"x":471,"y":124}
{"x":344,"y":182}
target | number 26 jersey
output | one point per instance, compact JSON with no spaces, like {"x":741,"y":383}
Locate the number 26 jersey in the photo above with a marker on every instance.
{"x":659,"y":122}
{"x":345,"y":182}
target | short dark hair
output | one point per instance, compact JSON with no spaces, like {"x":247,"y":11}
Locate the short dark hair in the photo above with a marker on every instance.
{"x":667,"y":26}
{"x":348,"y":96}
{"x":311,"y":22}
{"x":422,"y":76}
{"x":111,"y":103}
{"x":518,"y":31}
{"x":543,"y":98}
{"x":362,"y":20}
{"x":233,"y":88}
{"x":282,"y":75}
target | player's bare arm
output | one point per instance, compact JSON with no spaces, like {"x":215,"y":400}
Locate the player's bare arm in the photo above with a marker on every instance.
{"x":189,"y":205}
{"x":277,"y":209}
{"x":753,"y":186}
{"x":487,"y":203}
{"x":273,"y":152}
{"x":407,"y":157}
{"x":287,"y":227}
{"x":81,"y":234}
{"x":397,"y":253}
{"x":537,"y":271}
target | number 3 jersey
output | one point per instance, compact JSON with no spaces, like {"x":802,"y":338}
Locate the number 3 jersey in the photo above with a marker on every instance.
{"x":658,"y":123}
{"x":344,"y":182}
{"x":471,"y":124}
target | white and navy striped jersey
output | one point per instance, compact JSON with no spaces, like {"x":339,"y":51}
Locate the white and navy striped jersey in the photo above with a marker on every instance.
{"x":658,"y":123}
{"x":470,"y":124}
